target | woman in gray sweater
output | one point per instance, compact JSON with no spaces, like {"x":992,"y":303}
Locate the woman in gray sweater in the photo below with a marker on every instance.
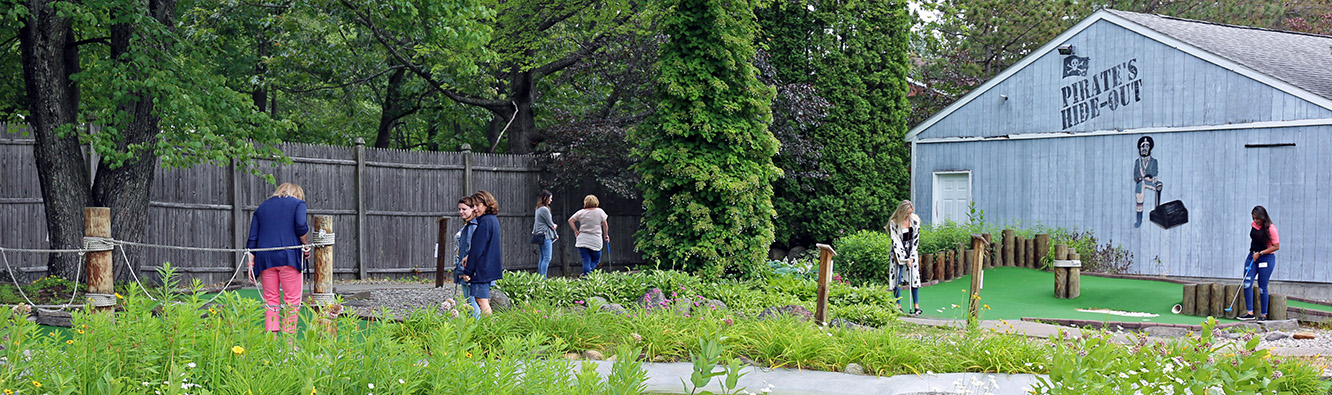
{"x":544,"y":225}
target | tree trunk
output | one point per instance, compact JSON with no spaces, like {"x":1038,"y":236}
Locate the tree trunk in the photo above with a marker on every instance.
{"x":49,"y":59}
{"x":125,"y":188}
{"x":521,"y":125}
{"x":260,"y":94}
{"x":392,"y":108}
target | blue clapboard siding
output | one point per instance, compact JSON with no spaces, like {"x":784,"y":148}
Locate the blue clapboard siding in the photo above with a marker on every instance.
{"x":1086,"y":183}
{"x":1177,"y":89}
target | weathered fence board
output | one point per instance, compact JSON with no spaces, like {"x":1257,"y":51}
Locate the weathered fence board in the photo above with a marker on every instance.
{"x":404,"y":192}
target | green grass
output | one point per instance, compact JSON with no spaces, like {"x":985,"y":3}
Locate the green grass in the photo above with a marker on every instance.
{"x":1013,"y":293}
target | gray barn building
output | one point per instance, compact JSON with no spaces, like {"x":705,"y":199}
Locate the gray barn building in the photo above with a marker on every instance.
{"x":1236,"y":117}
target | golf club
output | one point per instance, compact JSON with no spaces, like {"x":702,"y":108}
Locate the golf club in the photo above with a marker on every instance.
{"x":1235,"y":298}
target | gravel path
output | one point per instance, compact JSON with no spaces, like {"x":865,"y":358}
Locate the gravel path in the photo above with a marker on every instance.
{"x":398,"y":302}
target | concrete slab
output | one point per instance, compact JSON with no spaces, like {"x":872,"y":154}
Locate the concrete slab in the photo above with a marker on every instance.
{"x":665,"y":378}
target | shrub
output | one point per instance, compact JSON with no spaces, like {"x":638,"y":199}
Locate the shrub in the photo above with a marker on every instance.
{"x":865,"y":256}
{"x":706,"y":152}
{"x":1096,"y":257}
{"x":875,"y":316}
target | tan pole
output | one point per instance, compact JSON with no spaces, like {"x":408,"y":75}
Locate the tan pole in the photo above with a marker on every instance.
{"x":323,"y":258}
{"x":825,"y":277}
{"x":978,"y":244}
{"x":97,"y":223}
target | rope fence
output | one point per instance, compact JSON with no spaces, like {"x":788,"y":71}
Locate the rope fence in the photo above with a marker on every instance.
{"x":100,"y":244}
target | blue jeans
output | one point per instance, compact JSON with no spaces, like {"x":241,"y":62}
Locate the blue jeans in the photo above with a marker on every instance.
{"x":471,"y":301}
{"x":897,"y":289}
{"x":1251,"y":270}
{"x":591,"y":259}
{"x":543,"y":261}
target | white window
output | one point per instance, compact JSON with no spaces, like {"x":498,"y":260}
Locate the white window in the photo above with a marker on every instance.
{"x":952,"y":196}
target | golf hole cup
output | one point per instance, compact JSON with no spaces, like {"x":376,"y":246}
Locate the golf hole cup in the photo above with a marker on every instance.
{"x":1178,"y":308}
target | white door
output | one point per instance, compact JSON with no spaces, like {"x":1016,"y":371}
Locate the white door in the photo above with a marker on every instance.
{"x":952,"y":196}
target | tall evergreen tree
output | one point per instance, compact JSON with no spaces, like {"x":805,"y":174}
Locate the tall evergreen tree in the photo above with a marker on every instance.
{"x":706,"y":153}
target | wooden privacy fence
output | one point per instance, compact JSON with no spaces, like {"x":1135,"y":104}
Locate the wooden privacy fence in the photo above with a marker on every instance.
{"x":385,"y":201}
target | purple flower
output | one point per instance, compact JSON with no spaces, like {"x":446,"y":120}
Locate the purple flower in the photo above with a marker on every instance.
{"x":578,"y":301}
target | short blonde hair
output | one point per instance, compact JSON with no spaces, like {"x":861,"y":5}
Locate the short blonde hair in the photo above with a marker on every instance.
{"x":288,"y":189}
{"x":591,"y":201}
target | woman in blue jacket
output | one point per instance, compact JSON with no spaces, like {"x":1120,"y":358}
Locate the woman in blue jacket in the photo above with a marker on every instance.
{"x":280,"y":222}
{"x":484,"y":261}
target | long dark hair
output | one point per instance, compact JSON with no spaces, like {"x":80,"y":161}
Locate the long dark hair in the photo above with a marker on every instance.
{"x":1263,"y":219}
{"x":543,"y":198}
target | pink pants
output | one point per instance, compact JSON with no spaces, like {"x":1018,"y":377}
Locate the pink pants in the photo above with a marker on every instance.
{"x":288,"y":279}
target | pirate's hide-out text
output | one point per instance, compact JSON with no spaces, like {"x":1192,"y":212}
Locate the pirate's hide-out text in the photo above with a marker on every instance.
{"x":1109,"y":90}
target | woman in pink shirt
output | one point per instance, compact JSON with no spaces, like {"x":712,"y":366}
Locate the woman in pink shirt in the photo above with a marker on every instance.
{"x":1263,"y":244}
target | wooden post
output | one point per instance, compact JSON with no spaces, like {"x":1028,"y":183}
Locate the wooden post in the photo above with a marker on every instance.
{"x":1042,"y":244}
{"x":1061,"y":273}
{"x":926,"y":268}
{"x":1074,"y":282}
{"x":1010,"y":250}
{"x":97,"y":223}
{"x":360,"y":210}
{"x":1031,"y":254}
{"x":939,"y":267}
{"x":323,"y":258}
{"x":988,"y":257}
{"x":978,"y":244}
{"x":950,"y":266}
{"x":1020,"y":255}
{"x":825,"y":277}
{"x":1188,"y":303}
{"x":1203,"y":300}
{"x":958,"y":264}
{"x":442,"y":257}
{"x":1276,"y":306}
{"x":969,"y":259}
{"x":1218,"y":300}
{"x":1231,"y":293}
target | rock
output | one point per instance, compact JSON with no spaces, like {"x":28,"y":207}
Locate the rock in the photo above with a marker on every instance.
{"x":499,"y":300}
{"x":613,"y":358}
{"x":745,"y":360}
{"x":54,"y":318}
{"x":1305,"y":336}
{"x":1230,"y":335}
{"x":792,"y":310}
{"x":1166,"y":331}
{"x":658,"y":358}
{"x":1280,"y":325}
{"x":795,"y":252}
{"x":356,"y":296}
{"x":654,"y":299}
{"x":614,"y":308}
{"x":854,"y":368}
{"x":713,"y":304}
{"x":571,"y":356}
{"x":776,"y":254}
{"x":841,"y":323}
{"x":593,"y":355}
{"x":682,"y":306}
{"x":1274,"y":336}
{"x":1248,"y":327}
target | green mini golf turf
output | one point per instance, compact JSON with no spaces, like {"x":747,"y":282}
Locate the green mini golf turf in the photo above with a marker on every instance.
{"x":1012,"y":293}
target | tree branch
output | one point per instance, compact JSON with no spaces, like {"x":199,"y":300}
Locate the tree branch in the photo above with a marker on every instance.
{"x":103,"y":40}
{"x":573,"y":57}
{"x":495,"y":106}
{"x":356,"y":82}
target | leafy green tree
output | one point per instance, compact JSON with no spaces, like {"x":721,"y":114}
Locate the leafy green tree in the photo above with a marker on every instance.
{"x":853,"y":55}
{"x":135,"y":93}
{"x":706,"y":153}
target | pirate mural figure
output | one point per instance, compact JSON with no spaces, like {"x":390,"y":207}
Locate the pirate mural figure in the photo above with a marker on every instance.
{"x":1144,"y":174}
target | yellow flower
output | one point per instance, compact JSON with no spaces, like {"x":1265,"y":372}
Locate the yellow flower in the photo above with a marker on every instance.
{"x":51,"y":334}
{"x":118,"y":296}
{"x":69,"y":342}
{"x":37,"y":384}
{"x":469,"y":354}
{"x":8,"y":391}
{"x":212,"y":311}
{"x":80,"y":331}
{"x":987,"y":307}
{"x":312,"y":390}
{"x":238,"y":350}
